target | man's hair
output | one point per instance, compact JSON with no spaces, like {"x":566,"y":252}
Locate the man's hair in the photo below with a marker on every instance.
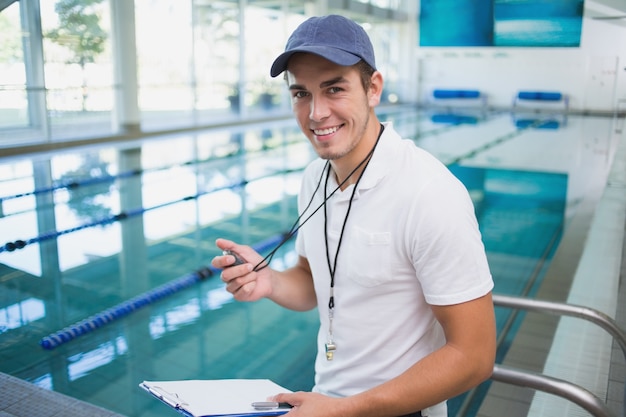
{"x":365,"y":71}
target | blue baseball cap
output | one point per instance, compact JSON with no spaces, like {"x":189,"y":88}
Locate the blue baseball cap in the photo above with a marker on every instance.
{"x":336,"y":38}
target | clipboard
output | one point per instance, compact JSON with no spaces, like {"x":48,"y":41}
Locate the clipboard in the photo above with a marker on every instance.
{"x":217,"y":397}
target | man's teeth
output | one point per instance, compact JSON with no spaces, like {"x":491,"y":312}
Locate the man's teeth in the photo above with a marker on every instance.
{"x":321,"y":132}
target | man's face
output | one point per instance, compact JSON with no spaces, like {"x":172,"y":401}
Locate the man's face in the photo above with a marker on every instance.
{"x":330,"y":105}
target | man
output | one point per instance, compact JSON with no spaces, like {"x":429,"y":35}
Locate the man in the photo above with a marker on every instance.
{"x":389,"y":247}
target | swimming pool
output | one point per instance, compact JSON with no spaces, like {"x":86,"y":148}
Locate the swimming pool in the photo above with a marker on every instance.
{"x":104,"y":225}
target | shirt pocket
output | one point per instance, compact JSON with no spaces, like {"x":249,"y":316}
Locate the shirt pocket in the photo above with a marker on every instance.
{"x":369,"y":257}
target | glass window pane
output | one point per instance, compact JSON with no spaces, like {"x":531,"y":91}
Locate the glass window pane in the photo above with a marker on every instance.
{"x":216,"y":56}
{"x":13,"y":102}
{"x":385,"y":38}
{"x":264,"y":37}
{"x":164,"y":60}
{"x":78,"y":69}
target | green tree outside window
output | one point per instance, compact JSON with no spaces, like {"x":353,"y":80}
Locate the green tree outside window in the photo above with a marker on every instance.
{"x":79,"y":31}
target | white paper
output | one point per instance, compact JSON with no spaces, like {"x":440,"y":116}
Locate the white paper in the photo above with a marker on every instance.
{"x":220,"y":397}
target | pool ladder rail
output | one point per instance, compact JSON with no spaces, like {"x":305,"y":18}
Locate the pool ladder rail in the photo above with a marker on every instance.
{"x":575,"y":393}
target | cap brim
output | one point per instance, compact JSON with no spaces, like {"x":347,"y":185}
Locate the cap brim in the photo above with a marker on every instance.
{"x":338,"y":56}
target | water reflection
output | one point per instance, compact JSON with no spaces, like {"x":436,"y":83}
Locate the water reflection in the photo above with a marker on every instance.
{"x":83,"y":363}
{"x":525,"y":184}
{"x":21,"y":313}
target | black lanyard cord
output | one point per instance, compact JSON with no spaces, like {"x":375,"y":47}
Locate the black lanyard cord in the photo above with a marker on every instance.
{"x":294,"y":227}
{"x":333,"y":268}
{"x":297,"y":225}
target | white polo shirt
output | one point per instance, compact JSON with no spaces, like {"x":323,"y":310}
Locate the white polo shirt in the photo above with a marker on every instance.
{"x":411,"y":240}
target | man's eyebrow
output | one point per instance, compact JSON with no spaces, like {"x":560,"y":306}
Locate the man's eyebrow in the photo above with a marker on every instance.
{"x":323,"y":84}
{"x":333,"y":81}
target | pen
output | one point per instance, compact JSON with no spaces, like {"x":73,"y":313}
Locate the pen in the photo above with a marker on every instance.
{"x":265,"y":405}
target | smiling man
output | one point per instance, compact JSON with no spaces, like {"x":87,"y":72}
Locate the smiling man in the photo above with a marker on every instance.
{"x":389,"y":248}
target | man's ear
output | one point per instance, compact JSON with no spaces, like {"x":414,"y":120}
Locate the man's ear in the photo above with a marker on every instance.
{"x":376,"y":89}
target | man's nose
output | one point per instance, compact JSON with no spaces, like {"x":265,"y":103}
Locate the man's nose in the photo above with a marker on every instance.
{"x":319,"y":109}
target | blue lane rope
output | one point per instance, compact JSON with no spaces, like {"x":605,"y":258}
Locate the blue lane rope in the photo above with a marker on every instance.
{"x":20,"y":243}
{"x":135,"y":172}
{"x":74,"y":184}
{"x":125,"y":308}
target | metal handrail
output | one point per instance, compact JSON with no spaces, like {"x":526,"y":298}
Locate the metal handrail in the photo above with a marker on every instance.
{"x":595,"y":316}
{"x":568,"y":390}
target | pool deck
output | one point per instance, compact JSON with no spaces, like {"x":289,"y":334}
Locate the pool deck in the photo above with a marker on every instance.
{"x":19,"y":398}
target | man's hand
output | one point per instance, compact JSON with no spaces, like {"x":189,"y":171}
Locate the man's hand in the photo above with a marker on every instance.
{"x":241,"y":280}
{"x":311,"y":404}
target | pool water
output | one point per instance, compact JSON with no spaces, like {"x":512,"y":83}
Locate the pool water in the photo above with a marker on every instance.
{"x":105,"y":225}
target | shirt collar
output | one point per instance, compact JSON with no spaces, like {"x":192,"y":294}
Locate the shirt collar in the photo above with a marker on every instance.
{"x":378,"y":166}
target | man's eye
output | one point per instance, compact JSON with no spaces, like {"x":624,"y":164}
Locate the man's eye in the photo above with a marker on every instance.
{"x":300,"y":94}
{"x":334,"y":90}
